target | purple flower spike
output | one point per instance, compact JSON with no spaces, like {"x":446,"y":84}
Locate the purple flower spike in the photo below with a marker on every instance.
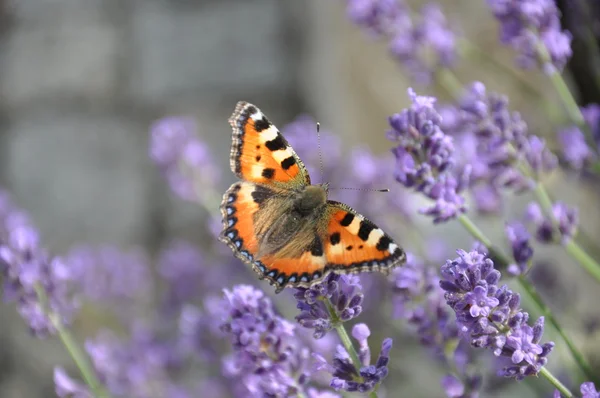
{"x":182,"y":158}
{"x":266,"y":355}
{"x":453,"y":387}
{"x":588,"y":390}
{"x":27,"y":268}
{"x":566,"y":218}
{"x":490,"y":315}
{"x":344,"y":294}
{"x":519,"y":237}
{"x":425,"y":156}
{"x":526,"y":24}
{"x":347,"y":377}
{"x":576,"y":151}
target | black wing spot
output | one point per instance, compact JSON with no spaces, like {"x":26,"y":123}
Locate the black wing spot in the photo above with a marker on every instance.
{"x":347,"y":220}
{"x":365,"y":229}
{"x":260,"y":194}
{"x":262,"y":124}
{"x":316,"y":247}
{"x":258,"y":158}
{"x":349,"y":247}
{"x":334,"y":238}
{"x":288,"y":162}
{"x":251,"y":110}
{"x":360,"y":247}
{"x":384,"y":243}
{"x":258,"y":147}
{"x":276,"y":144}
{"x":268,"y":173}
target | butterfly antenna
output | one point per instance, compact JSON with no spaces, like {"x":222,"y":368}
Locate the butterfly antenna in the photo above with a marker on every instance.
{"x":363,"y":189}
{"x":320,"y":152}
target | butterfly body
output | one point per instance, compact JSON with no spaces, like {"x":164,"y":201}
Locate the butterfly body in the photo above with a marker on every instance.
{"x":283,"y":226}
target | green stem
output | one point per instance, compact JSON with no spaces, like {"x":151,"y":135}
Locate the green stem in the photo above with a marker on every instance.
{"x":80,"y":359}
{"x":561,"y":87}
{"x":586,"y":261}
{"x":345,"y":338}
{"x":556,"y":383}
{"x":447,"y":79}
{"x":571,"y":247}
{"x":531,"y":292}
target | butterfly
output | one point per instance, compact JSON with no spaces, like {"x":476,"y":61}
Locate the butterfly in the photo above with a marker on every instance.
{"x":284,"y":227}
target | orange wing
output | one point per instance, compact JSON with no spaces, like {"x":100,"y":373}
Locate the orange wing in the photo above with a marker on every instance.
{"x":355,"y":244}
{"x":259,"y":153}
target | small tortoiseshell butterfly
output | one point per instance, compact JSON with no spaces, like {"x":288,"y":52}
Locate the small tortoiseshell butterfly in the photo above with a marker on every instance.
{"x":283,"y":226}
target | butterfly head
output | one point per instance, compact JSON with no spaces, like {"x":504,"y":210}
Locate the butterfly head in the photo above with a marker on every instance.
{"x":310,"y":198}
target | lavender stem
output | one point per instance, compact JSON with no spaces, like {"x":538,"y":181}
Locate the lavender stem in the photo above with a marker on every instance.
{"x":555,"y":382}
{"x":345,"y":338}
{"x":80,"y":359}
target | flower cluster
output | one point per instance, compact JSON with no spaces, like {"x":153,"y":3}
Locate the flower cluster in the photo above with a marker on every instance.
{"x":425,"y":158}
{"x":338,"y":298}
{"x":522,"y":252}
{"x":528,"y":24}
{"x":419,"y":299}
{"x":502,"y":144}
{"x":29,"y":272}
{"x":422,"y":43}
{"x":266,"y":357}
{"x":576,"y":152}
{"x":183,"y":159}
{"x":562,"y":228}
{"x":490,"y":315}
{"x":346,"y":375}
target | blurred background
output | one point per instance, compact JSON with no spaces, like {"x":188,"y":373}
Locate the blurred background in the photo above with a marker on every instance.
{"x":82,"y":80}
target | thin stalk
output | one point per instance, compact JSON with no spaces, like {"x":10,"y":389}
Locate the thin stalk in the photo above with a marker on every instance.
{"x":531,"y":292}
{"x":81,"y":360}
{"x":556,"y":383}
{"x":571,"y":247}
{"x":345,"y":338}
{"x":561,"y":88}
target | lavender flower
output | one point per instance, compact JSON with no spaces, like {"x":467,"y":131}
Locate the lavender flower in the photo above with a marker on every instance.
{"x":345,"y":374}
{"x":422,"y":43}
{"x":527,"y":24}
{"x":519,"y":237}
{"x":142,"y":367}
{"x":502,"y":144}
{"x":566,"y":219}
{"x":66,"y":387}
{"x":425,"y":156}
{"x":591,"y":115}
{"x":576,"y":151}
{"x":27,"y":268}
{"x":490,"y":315}
{"x":588,"y":390}
{"x":338,"y":298}
{"x":182,"y":158}
{"x":266,"y":355}
{"x":419,"y":299}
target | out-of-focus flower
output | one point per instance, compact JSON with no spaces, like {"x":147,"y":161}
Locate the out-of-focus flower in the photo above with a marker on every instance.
{"x":267,"y":357}
{"x":141,"y":367}
{"x":490,"y":314}
{"x":566,"y":222}
{"x":502,"y":143}
{"x":338,"y":298}
{"x":519,"y":237}
{"x":591,"y":115}
{"x":346,"y":376}
{"x":182,"y":158}
{"x":419,"y":299}
{"x":588,"y":390}
{"x":109,"y":275}
{"x":576,"y":151}
{"x":66,"y":387}
{"x":425,"y":156}
{"x":27,"y":268}
{"x":422,"y":43}
{"x":527,"y":24}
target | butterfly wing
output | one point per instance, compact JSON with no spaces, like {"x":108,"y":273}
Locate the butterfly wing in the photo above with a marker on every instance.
{"x":354,"y":244}
{"x":259,"y":153}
